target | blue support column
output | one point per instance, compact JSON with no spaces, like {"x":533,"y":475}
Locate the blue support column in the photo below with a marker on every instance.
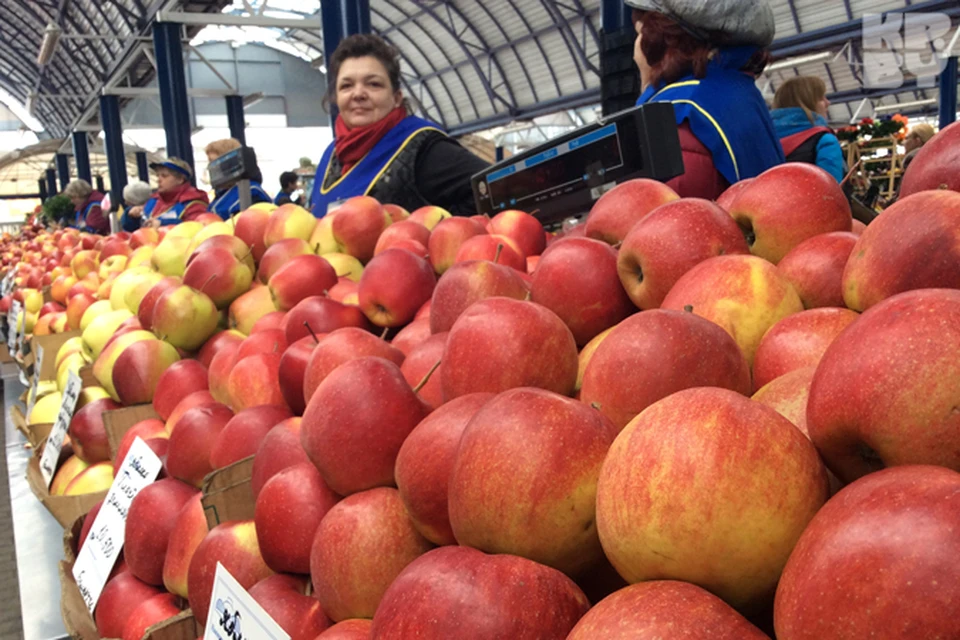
{"x":81,"y":155}
{"x":100,"y":187}
{"x":43,"y":190}
{"x":235,"y":118}
{"x":499,"y":152}
{"x":332,"y":20}
{"x":63,"y":170}
{"x":143,"y":170}
{"x":113,"y":144}
{"x":173,"y":90}
{"x":948,"y":93}
{"x":52,"y":182}
{"x":356,"y":16}
{"x":614,"y":15}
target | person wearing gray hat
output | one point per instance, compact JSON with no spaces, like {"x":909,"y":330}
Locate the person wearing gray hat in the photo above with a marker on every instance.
{"x":135,"y":194}
{"x":704,"y":56}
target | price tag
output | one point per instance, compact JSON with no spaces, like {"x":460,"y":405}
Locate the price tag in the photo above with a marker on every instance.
{"x":105,"y":541}
{"x":51,"y":450}
{"x":234,"y":615}
{"x":32,"y":399}
{"x":15,"y":309}
{"x":7,"y":286}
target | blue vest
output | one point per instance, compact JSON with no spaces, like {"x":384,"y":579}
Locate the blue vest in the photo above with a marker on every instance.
{"x":361,"y":177}
{"x":727,"y":114}
{"x":228,"y":202}
{"x":80,"y":218}
{"x":168,"y":217}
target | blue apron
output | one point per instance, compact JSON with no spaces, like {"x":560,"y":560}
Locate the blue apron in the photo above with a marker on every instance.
{"x":361,"y":177}
{"x":727,"y":114}
{"x":80,"y":218}
{"x":168,"y":217}
{"x":228,"y":203}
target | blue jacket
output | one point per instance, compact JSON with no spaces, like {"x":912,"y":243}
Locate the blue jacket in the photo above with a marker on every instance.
{"x":227,"y":203}
{"x":793,"y":120}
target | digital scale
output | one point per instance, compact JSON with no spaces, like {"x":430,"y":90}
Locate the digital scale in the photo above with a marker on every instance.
{"x":237,"y":167}
{"x":562,"y":178}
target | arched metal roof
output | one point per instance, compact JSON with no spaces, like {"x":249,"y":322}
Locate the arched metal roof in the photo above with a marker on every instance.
{"x":469,"y":64}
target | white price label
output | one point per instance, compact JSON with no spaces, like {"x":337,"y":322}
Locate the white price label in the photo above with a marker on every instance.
{"x":15,"y":309}
{"x":7,"y":286}
{"x":36,"y":380}
{"x":51,"y":450}
{"x":235,"y":614}
{"x":105,"y":541}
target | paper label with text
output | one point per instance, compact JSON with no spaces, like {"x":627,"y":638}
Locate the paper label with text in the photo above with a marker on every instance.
{"x":235,"y":615}
{"x":15,"y":309}
{"x":105,"y":541}
{"x":51,"y":450}
{"x":32,"y":400}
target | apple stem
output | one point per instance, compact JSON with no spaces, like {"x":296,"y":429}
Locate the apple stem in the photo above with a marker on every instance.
{"x":595,"y":405}
{"x":383,"y":334}
{"x":688,"y":308}
{"x":496,"y":258}
{"x":528,"y":297}
{"x":307,"y":325}
{"x":247,"y":255}
{"x":426,"y":378}
{"x":316,"y":249}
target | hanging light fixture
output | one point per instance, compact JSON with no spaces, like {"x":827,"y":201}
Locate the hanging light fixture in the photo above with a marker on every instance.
{"x":48,"y":46}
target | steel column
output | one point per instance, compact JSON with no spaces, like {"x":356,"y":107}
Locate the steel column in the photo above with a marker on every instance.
{"x":235,"y":118}
{"x":614,"y":15}
{"x":113,"y":144}
{"x":356,"y":16}
{"x":52,"y":182}
{"x":499,"y":155}
{"x":332,"y":18}
{"x":100,"y":186}
{"x":143,"y":171}
{"x":948,"y":93}
{"x":43,"y":190}
{"x":63,"y":170}
{"x":173,"y":90}
{"x":81,"y":155}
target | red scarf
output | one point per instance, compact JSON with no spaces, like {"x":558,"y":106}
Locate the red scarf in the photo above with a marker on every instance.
{"x":351,"y":145}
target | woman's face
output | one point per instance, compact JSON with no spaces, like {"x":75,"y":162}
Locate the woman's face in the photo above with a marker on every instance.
{"x":77,"y":201}
{"x":168,"y":180}
{"x":822,"y":106}
{"x":364,"y":94}
{"x":639,"y":58}
{"x":911,"y":142}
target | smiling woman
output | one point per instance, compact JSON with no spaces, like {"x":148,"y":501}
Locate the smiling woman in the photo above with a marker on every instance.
{"x":380,"y":149}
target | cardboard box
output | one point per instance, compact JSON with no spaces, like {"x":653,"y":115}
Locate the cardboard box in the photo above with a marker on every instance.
{"x":76,"y":618}
{"x":71,"y":539}
{"x":227,"y":495}
{"x":119,"y":421}
{"x":180,"y":627}
{"x":86,"y":375}
{"x":51,"y":346}
{"x":66,"y":509}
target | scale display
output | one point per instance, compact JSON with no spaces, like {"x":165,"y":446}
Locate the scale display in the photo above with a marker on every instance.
{"x":563,"y":177}
{"x":233,"y":166}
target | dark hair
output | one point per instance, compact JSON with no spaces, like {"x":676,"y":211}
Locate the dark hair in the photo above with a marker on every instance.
{"x":359,"y":46}
{"x":672,"y":52}
{"x":287,"y":178}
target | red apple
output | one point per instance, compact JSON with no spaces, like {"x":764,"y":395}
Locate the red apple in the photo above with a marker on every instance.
{"x":282,"y":598}
{"x":426,"y":460}
{"x":522,"y":228}
{"x":727,"y":198}
{"x":195,"y":399}
{"x":357,"y":226}
{"x":655,"y":353}
{"x":255,"y":381}
{"x":151,"y":612}
{"x":447,"y":238}
{"x":615,"y":213}
{"x":352,"y":629}
{"x":902,"y":522}
{"x":279,"y":450}
{"x":356,"y":422}
{"x":242,"y":435}
{"x":798,"y":341}
{"x":272,"y":320}
{"x":289,"y":509}
{"x":468,"y":282}
{"x":935,"y":165}
{"x":394,"y":286}
{"x":758,"y":484}
{"x":301,"y":277}
{"x":498,"y":249}
{"x":118,"y":600}
{"x":216,"y":342}
{"x":219,"y":274}
{"x":291,"y":372}
{"x":278,"y":255}
{"x":425,"y":360}
{"x":149,"y":301}
{"x":192,"y":441}
{"x":505,"y":596}
{"x":177,"y":382}
{"x":500,"y":343}
{"x":815,"y":268}
{"x":148,"y":431}
{"x":149,"y":523}
{"x":412,"y":335}
{"x":788,"y":204}
{"x":341,"y":346}
{"x":670,"y":241}
{"x":250,"y":227}
{"x":405,"y":230}
{"x":87,"y":433}
{"x":189,"y":530}
{"x":321,"y":315}
{"x":577,"y":279}
{"x":360,"y":547}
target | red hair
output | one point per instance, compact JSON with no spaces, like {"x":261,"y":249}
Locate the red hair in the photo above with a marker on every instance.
{"x":672,"y":52}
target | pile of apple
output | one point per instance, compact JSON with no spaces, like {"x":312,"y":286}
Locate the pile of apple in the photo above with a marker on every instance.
{"x":747,"y":411}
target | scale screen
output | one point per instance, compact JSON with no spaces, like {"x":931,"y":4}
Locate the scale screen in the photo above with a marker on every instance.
{"x":566,"y":167}
{"x":233,"y":166}
{"x":565,"y":176}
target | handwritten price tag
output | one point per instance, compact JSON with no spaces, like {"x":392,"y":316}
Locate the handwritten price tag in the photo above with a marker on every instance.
{"x":104,"y":542}
{"x":32,"y":399}
{"x":51,"y":450}
{"x":234,"y":614}
{"x":7,"y":286}
{"x":15,"y":309}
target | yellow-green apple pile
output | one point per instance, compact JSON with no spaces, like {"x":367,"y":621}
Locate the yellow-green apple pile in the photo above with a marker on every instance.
{"x":737,"y":419}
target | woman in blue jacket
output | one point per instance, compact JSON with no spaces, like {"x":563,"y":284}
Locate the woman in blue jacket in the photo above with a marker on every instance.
{"x":799,"y":116}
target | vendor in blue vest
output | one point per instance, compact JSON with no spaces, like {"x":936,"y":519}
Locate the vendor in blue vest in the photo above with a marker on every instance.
{"x":175,"y":200}
{"x":704,"y":56}
{"x":799,"y":115}
{"x":379,"y":149}
{"x":226,"y":202}
{"x":88,"y":214}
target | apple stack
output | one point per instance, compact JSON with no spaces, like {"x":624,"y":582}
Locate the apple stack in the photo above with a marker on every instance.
{"x":690,"y":415}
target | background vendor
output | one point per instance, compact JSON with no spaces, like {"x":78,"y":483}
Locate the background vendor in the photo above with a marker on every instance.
{"x":379,"y":148}
{"x":226,"y":202}
{"x":87,"y":205}
{"x":175,"y":201}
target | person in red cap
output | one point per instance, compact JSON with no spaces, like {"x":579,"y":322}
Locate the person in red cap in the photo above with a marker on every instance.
{"x":175,"y":201}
